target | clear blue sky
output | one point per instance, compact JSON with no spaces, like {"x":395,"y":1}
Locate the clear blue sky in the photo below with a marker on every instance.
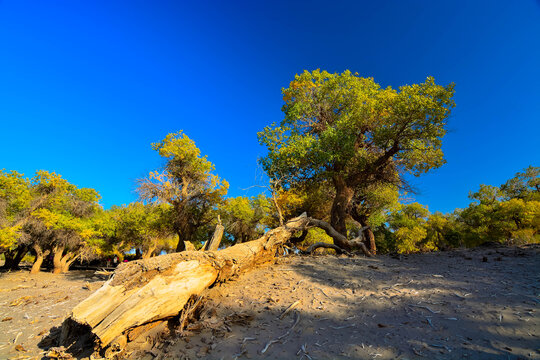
{"x":86,"y":86}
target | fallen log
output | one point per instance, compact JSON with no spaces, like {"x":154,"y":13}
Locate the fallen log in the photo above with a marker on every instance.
{"x":158,"y":288}
{"x":144,"y":291}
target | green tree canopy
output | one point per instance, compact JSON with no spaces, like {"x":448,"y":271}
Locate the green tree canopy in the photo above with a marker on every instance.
{"x":67,"y":212}
{"x":15,"y":199}
{"x":186,"y":182}
{"x":410,"y":228}
{"x":524,"y":185}
{"x":144,"y":227}
{"x":246,"y":218}
{"x":348,"y":131}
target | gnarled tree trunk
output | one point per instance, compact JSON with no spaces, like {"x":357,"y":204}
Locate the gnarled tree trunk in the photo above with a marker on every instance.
{"x":40,"y":256}
{"x":340,"y":208}
{"x":62,"y":261}
{"x":67,"y":261}
{"x":14,"y":257}
{"x":147,"y":253}
{"x":369,"y":237}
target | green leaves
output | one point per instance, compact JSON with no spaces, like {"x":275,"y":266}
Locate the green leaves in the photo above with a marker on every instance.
{"x":245,"y":218}
{"x":508,"y":213}
{"x":342,"y":124}
{"x":186,"y":183}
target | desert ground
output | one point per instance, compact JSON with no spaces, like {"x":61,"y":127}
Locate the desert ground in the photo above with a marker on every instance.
{"x":463,"y":304}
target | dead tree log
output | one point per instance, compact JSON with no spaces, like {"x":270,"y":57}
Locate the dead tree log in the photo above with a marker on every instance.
{"x":144,"y":291}
{"x":148,"y":290}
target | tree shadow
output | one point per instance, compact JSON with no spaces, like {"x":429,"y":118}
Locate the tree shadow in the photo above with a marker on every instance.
{"x":439,"y":305}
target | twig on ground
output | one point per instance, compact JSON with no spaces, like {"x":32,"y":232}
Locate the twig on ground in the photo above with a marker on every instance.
{"x":236,"y":356}
{"x":325,"y":294}
{"x":425,"y":307}
{"x":282,"y":336}
{"x":341,"y":327}
{"x":17,"y":338}
{"x":248,"y":339}
{"x":461,"y":296}
{"x":291,"y":307}
{"x":303,"y":351}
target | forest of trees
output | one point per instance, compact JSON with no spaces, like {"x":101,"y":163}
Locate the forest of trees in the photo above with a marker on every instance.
{"x":341,"y":155}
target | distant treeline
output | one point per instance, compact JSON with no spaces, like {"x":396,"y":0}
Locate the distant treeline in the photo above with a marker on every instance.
{"x":340,"y":154}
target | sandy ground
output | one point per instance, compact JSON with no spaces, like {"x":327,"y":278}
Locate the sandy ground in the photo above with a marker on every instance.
{"x":31,"y":305}
{"x":465,"y":304}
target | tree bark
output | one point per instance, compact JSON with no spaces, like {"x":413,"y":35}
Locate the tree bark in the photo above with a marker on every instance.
{"x":67,"y":261}
{"x":181,"y":246}
{"x":370,"y":239}
{"x":340,"y":206}
{"x":40,"y":256}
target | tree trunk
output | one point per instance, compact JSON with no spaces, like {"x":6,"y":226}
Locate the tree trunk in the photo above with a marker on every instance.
{"x":278,"y":208}
{"x":147,"y":254}
{"x":181,"y":246}
{"x":339,"y":239}
{"x":14,"y":257}
{"x":67,"y":260}
{"x":340,"y":206}
{"x":62,"y":262}
{"x":369,"y":237}
{"x":58,"y":251}
{"x":213,"y":243}
{"x":40,"y":256}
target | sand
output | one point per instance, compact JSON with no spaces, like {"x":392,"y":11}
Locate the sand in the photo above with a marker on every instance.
{"x":476,"y":304}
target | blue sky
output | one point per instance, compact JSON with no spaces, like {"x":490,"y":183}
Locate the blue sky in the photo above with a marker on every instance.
{"x":87,"y":86}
